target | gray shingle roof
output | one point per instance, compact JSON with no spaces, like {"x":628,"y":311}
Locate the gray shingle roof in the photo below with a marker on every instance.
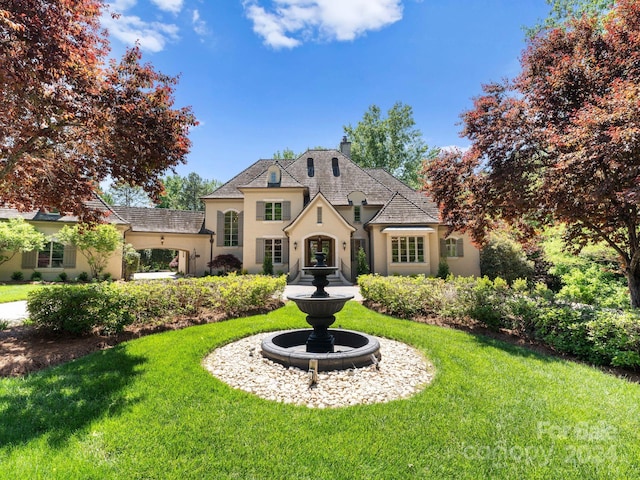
{"x":378,"y":185}
{"x":162,"y":220}
{"x":401,"y":210}
{"x":41,"y":216}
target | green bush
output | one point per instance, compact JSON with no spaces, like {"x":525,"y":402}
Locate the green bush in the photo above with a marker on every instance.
{"x":83,"y":277}
{"x":36,"y":276}
{"x":80,"y":308}
{"x":600,"y":336}
{"x":595,"y":285}
{"x":17,"y":276}
{"x":62,"y":277}
{"x":504,"y":258}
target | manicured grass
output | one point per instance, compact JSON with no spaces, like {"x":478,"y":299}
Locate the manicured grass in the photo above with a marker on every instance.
{"x":16,"y":292}
{"x":148,"y":409}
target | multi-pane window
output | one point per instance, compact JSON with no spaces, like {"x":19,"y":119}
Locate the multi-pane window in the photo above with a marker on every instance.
{"x":407,"y":249}
{"x":231,"y":224}
{"x":451,"y":245}
{"x":273,"y":249}
{"x":51,"y":256}
{"x":356,"y":214}
{"x":273,"y":211}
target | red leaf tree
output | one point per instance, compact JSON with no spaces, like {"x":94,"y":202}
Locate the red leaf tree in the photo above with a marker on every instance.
{"x":68,"y":120}
{"x":559,"y":143}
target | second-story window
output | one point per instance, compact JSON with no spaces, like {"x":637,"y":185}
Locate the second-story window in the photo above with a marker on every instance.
{"x":231,"y":225}
{"x":273,"y":211}
{"x":356,"y":214}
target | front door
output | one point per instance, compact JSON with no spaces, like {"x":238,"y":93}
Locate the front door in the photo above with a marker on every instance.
{"x":317,"y":244}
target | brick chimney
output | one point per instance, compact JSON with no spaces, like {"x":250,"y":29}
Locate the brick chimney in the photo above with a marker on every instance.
{"x":345,"y":147}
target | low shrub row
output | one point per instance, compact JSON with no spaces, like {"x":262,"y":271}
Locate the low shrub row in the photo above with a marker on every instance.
{"x":599,"y":335}
{"x":109,"y":307}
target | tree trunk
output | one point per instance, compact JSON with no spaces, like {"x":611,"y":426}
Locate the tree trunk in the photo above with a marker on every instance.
{"x":633,"y":279}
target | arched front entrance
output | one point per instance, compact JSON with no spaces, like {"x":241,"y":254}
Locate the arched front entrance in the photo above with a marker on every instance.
{"x":319,"y":243}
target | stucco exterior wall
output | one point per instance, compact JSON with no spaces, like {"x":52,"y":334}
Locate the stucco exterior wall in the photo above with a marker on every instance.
{"x":333,"y":225}
{"x":114,"y":265}
{"x":194,"y":249}
{"x":469,"y":263}
{"x":254,"y":229}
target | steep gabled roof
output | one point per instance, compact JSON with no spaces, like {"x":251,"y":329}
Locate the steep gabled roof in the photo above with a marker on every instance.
{"x":230,"y":189}
{"x":400,"y":210}
{"x":162,"y":220}
{"x":286,"y":180}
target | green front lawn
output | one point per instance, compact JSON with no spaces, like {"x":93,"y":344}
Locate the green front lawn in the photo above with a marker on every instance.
{"x":16,"y":292}
{"x":148,"y":409}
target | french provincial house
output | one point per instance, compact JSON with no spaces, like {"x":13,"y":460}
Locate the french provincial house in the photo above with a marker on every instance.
{"x":286,"y":210}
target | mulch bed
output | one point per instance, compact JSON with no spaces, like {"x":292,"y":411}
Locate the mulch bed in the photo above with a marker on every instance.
{"x":26,"y":349}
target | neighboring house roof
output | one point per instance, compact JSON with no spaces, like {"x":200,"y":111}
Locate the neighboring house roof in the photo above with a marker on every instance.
{"x":401,"y":210}
{"x":162,"y":220}
{"x":41,"y":216}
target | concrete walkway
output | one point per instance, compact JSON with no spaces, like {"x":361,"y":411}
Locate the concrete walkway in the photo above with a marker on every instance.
{"x":15,"y":312}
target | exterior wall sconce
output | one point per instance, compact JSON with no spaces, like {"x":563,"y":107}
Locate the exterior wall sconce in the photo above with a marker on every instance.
{"x":295,"y":245}
{"x":162,"y":240}
{"x":344,"y":245}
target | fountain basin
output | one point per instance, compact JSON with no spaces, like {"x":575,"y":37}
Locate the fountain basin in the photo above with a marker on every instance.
{"x":351,"y":350}
{"x":320,"y":306}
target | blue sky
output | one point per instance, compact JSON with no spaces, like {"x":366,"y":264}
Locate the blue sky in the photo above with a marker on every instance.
{"x":265,"y":75}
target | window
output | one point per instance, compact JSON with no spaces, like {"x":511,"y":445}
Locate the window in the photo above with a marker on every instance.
{"x":407,"y":249}
{"x":273,"y":210}
{"x":335,"y":167}
{"x":231,"y":229}
{"x":319,"y":214}
{"x":451,"y":247}
{"x":51,"y":256}
{"x":310,"y":170}
{"x":273,"y":177}
{"x":356,"y":214}
{"x":273,"y":249}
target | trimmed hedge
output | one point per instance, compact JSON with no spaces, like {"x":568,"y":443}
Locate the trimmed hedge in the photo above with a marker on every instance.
{"x":109,"y":307}
{"x":598,"y":335}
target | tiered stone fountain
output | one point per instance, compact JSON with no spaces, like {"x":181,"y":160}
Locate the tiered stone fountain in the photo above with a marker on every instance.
{"x":333,"y":349}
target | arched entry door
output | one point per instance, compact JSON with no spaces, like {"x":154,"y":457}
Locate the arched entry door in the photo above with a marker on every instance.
{"x":317,"y":244}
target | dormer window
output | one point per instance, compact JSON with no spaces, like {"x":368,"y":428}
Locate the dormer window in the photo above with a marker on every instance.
{"x":310,"y":170}
{"x":335,"y":167}
{"x":273,"y":176}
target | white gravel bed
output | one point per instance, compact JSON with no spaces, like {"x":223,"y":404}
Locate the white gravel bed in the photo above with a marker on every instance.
{"x":402,"y":372}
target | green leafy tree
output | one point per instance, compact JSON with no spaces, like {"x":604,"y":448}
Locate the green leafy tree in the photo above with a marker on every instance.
{"x":563,"y":10}
{"x":96,"y":243}
{"x":390,"y":142}
{"x":183,"y":193}
{"x":127,"y":195}
{"x":16,"y":235}
{"x":286,"y":154}
{"x":170,"y":198}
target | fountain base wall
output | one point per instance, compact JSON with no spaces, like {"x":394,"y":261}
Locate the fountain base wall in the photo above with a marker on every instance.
{"x":351,"y":350}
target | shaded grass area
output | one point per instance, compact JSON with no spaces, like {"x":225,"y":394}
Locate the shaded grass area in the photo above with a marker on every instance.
{"x":148,"y":409}
{"x":17,"y":292}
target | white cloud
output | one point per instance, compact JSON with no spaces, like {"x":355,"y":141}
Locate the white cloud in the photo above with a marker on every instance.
{"x":290,"y":22}
{"x":173,"y":6}
{"x":199,"y":25}
{"x":129,"y":29}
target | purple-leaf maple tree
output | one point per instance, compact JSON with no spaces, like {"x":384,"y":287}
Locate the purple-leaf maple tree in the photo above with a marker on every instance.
{"x":560,"y":143}
{"x":69,"y":119}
